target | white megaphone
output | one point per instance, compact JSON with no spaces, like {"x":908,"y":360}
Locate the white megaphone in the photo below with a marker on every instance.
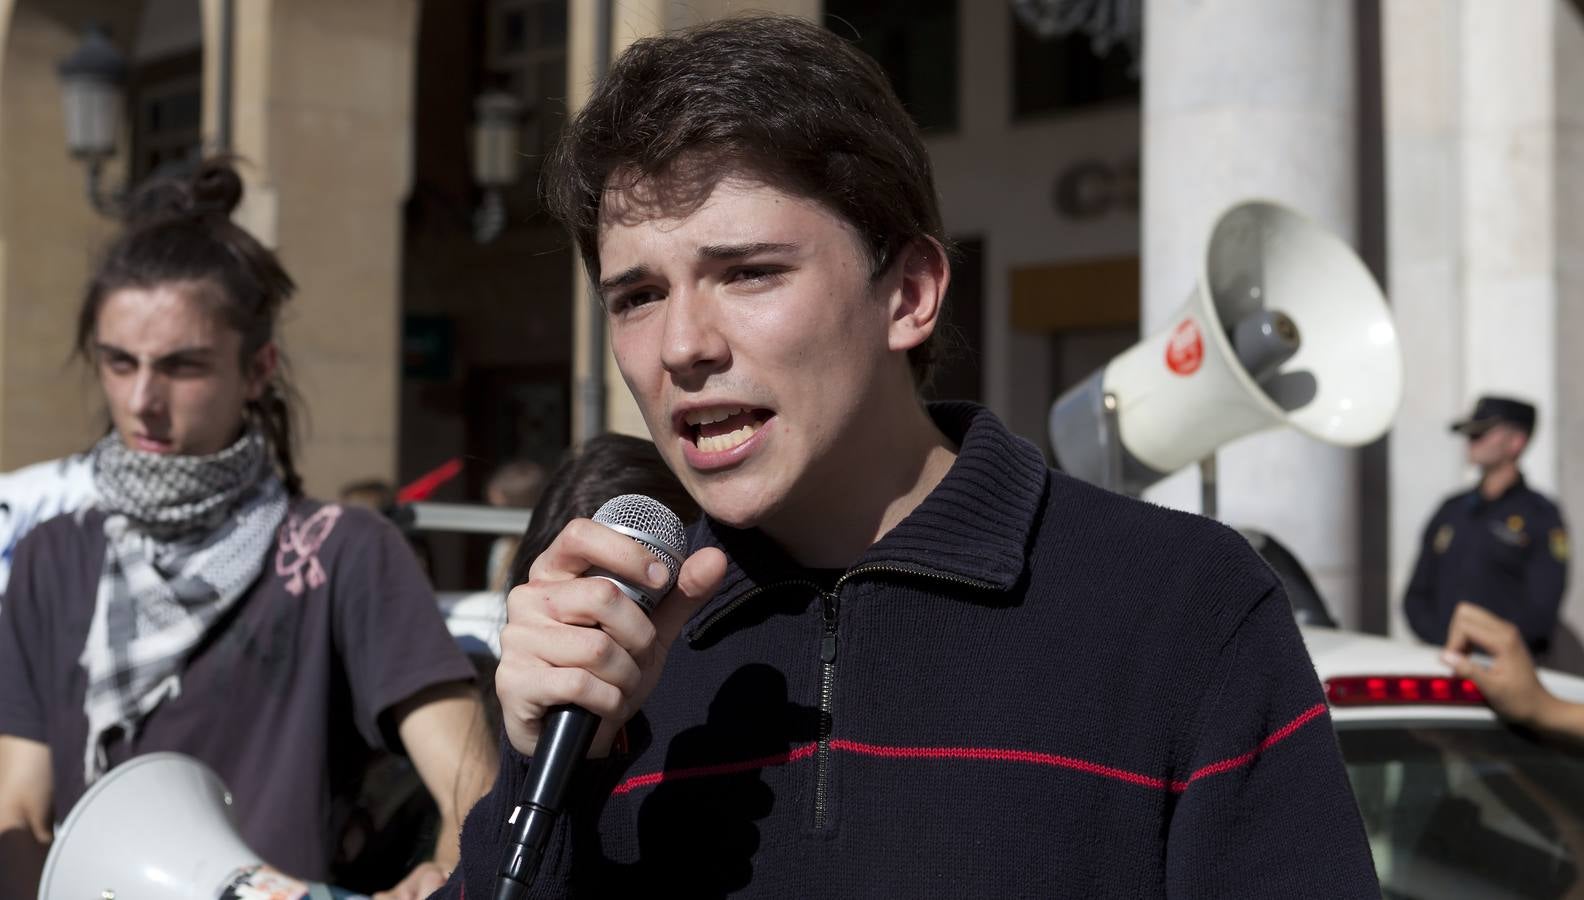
{"x":1284,"y":327}
{"x":160,"y":826}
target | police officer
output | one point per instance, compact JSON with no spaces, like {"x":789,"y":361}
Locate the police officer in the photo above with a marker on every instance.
{"x":1501,"y":545}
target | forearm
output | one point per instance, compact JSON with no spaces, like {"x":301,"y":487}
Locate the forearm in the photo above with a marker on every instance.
{"x":1560,"y":718}
{"x":25,"y":829}
{"x":448,"y":740}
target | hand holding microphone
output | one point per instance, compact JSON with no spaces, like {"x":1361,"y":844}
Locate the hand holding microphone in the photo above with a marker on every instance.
{"x":577,"y":646}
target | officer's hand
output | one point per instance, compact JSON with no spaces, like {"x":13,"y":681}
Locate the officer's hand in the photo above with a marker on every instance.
{"x":576,"y":639}
{"x":1509,"y":683}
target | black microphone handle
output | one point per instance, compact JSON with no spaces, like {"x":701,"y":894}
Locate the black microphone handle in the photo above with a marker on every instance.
{"x":563,"y":742}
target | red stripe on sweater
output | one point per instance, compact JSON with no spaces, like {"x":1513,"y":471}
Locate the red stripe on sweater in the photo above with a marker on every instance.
{"x":994,"y":755}
{"x":984,"y":754}
{"x":1243,"y":759}
{"x":654,"y":778}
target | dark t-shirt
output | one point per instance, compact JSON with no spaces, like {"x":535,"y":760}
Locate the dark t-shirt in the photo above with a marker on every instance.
{"x":282,"y":698}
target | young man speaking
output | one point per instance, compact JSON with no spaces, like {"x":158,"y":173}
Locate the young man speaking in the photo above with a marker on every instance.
{"x":905,"y":659}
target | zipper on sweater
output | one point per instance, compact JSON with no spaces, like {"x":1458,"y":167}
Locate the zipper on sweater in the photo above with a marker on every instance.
{"x":829,"y":605}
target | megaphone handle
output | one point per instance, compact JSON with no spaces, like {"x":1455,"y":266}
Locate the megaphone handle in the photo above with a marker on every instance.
{"x":1207,"y":486}
{"x":1110,"y":444}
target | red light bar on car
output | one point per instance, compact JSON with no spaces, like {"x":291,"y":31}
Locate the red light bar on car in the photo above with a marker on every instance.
{"x":1386,"y":690}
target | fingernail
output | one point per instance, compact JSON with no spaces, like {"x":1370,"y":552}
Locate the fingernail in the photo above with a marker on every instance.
{"x":658,"y":574}
{"x":1450,"y":658}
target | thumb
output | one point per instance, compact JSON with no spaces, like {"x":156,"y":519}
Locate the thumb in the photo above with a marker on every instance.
{"x":700,"y":576}
{"x":1464,"y":667}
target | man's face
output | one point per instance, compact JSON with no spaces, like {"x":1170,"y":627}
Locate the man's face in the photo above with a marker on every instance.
{"x":1495,"y":446}
{"x":749,"y":330}
{"x":171,"y":372}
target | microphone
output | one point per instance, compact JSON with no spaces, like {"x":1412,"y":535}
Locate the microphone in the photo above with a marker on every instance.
{"x":569,"y":730}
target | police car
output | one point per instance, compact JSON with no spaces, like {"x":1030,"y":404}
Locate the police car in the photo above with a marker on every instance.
{"x":1455,"y":802}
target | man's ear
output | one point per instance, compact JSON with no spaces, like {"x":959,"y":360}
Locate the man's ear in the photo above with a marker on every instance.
{"x":919,"y":293}
{"x":261,"y":368}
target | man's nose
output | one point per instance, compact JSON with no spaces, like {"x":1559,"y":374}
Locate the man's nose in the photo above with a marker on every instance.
{"x":148,"y":394}
{"x":694,"y":343}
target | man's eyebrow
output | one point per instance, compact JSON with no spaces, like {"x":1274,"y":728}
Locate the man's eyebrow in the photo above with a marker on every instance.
{"x":630,"y":276}
{"x":725,"y":252}
{"x":741,"y":251}
{"x":198,"y":350}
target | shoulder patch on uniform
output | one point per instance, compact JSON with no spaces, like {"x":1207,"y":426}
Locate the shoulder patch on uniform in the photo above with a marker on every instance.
{"x":1443,"y":538}
{"x":1559,"y":544}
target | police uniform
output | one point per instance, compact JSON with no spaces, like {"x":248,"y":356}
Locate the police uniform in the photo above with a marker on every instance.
{"x":1508,"y":554}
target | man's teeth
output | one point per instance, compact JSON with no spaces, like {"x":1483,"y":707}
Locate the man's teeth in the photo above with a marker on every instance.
{"x":722,"y":442}
{"x":711,"y":416}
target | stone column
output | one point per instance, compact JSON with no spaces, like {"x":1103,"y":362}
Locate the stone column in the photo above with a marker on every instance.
{"x":1254,"y":98}
{"x":322,"y":120}
{"x":1485,"y":166}
{"x":1568,"y":420}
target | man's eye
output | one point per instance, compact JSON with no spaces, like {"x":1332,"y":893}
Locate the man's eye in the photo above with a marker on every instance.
{"x":120,"y":365}
{"x":631,"y":300}
{"x":756,"y":275}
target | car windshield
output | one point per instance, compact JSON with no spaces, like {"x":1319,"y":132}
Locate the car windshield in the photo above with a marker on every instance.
{"x":1468,"y":810}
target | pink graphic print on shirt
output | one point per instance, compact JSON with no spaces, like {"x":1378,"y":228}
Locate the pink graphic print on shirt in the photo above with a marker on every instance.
{"x":296,"y":556}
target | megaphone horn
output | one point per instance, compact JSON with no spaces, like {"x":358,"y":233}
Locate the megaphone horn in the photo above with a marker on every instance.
{"x":106,"y":849}
{"x":1285,"y":326}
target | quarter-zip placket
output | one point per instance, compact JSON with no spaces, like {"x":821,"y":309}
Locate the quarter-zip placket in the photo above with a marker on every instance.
{"x":830,"y":609}
{"x":830,"y":602}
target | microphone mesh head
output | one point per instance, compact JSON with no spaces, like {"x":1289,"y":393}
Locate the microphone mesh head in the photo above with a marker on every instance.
{"x":650,"y":523}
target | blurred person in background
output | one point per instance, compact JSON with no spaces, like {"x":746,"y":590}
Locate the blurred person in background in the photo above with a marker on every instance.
{"x":203,"y":604}
{"x":515,"y":485}
{"x":1500,"y":545}
{"x":1508,"y":680}
{"x":370,"y":493}
{"x":603,"y":467}
{"x":36,"y":493}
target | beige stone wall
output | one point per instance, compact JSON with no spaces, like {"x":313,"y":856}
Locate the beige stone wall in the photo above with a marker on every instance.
{"x":49,"y":235}
{"x":322,"y":111}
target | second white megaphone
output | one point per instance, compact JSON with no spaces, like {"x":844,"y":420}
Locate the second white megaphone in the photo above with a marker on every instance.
{"x":160,"y":826}
{"x":1285,"y":326}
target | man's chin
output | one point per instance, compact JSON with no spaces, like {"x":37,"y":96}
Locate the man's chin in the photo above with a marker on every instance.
{"x":730,"y":508}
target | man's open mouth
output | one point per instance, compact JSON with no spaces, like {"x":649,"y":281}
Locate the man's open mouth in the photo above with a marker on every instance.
{"x":717,"y":429}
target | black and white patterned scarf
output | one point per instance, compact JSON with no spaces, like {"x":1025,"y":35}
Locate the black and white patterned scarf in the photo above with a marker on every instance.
{"x":185,"y":537}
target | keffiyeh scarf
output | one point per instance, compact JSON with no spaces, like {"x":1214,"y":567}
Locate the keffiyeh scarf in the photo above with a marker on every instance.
{"x":185,"y":538}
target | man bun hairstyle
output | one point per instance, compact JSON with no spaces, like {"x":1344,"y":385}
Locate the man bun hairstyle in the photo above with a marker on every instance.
{"x":178,"y":230}
{"x":778,"y":97}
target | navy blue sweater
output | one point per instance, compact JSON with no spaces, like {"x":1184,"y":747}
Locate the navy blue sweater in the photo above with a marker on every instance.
{"x":1029,"y":687}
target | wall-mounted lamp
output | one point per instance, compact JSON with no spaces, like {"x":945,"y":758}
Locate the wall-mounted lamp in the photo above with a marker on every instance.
{"x":496,"y":126}
{"x":91,"y":79}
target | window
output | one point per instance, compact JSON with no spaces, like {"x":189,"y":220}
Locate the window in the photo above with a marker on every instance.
{"x":526,"y":49}
{"x":1456,"y":811}
{"x":915,"y":42}
{"x":1057,"y":74}
{"x":166,"y":104}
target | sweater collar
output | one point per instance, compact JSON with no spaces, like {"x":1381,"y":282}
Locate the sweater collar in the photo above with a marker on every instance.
{"x":972,"y":529}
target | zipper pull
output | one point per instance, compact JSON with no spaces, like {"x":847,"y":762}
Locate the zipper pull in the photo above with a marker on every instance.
{"x":828,"y":614}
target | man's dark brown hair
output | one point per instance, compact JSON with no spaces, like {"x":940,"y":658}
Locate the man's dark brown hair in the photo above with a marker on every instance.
{"x":781,"y":98}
